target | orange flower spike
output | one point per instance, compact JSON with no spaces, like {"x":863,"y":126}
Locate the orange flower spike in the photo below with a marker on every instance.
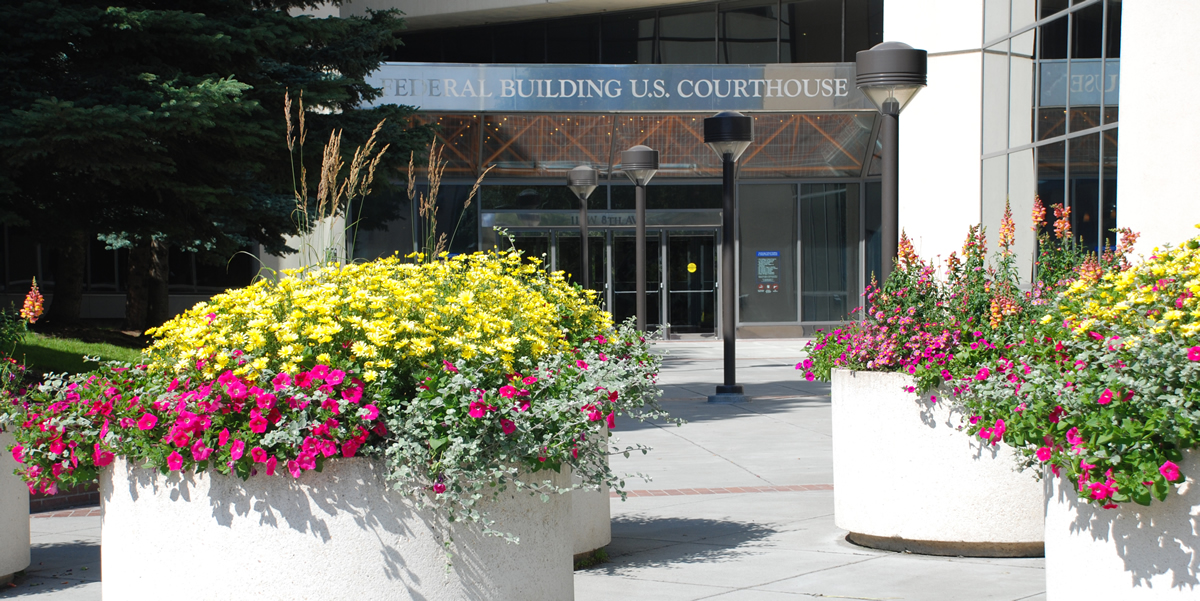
{"x":1008,"y":228}
{"x":1039,"y":213}
{"x":33,"y":307}
{"x":1062,"y":222}
{"x":905,"y":255}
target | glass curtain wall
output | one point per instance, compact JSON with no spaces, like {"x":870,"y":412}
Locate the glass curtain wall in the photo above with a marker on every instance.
{"x":1051,"y":86}
{"x":742,"y":32}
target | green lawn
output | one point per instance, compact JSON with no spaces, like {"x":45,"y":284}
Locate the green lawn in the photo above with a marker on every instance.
{"x":49,"y":354}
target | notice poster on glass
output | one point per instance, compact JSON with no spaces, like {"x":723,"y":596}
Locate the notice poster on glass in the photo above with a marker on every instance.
{"x":768,"y":271}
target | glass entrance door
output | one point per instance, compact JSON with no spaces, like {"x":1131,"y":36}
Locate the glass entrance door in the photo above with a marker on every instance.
{"x":569,"y":259}
{"x":691,"y":282}
{"x":624,"y":277}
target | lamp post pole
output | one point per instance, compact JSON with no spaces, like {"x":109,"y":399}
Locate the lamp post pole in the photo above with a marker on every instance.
{"x":728,"y":134}
{"x":583,"y":180}
{"x":890,"y":74}
{"x":640,"y":163}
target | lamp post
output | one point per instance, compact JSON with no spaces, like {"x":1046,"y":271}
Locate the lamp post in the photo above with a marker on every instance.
{"x":583,"y":180}
{"x":640,"y":163}
{"x":728,"y":134}
{"x":890,"y":74}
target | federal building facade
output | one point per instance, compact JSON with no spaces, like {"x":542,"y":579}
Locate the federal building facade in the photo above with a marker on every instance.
{"x":1081,"y":102}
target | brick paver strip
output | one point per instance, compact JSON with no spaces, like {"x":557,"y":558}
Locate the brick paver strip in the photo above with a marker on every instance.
{"x":670,"y":492}
{"x":82,"y":512}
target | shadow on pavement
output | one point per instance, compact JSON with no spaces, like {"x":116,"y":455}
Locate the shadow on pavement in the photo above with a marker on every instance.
{"x":694,"y":411}
{"x":647,"y":542}
{"x":56,"y":567}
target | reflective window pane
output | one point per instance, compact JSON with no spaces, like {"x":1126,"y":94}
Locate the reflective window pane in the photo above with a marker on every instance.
{"x":1049,"y":7}
{"x":419,"y":48}
{"x":768,"y":252}
{"x":807,"y":145}
{"x":872,"y":231}
{"x":573,"y":41}
{"x":470,"y":45}
{"x":627,"y":38}
{"x":625,"y":277}
{"x":864,"y":26}
{"x":810,"y":31}
{"x":1020,"y":98}
{"x":995,"y":98}
{"x":1113,"y":39}
{"x":667,"y":196}
{"x":1084,"y":189}
{"x":1109,"y":178}
{"x":1022,"y":185}
{"x":748,"y":33}
{"x":521,"y":42}
{"x":995,"y":192}
{"x":691,"y":281}
{"x":529,"y":198}
{"x":687,"y":36}
{"x":828,"y":251}
{"x":1087,"y":31}
{"x":525,"y":145}
{"x":996,"y":14}
{"x":1053,"y":42}
{"x":1051,"y":177}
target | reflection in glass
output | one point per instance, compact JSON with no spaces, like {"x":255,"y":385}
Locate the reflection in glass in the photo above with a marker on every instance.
{"x":1022,"y":185}
{"x":829,"y":224}
{"x":995,"y":192}
{"x":1087,"y":31}
{"x":767,"y":291}
{"x":1020,"y":93}
{"x":687,"y":36}
{"x":568,"y":258}
{"x":458,"y":135}
{"x":872,"y":230}
{"x":520,"y":43}
{"x":864,"y":27}
{"x":748,"y":34}
{"x":1109,"y":177}
{"x":534,"y":246}
{"x":1051,"y":122}
{"x":995,"y":98}
{"x":624,"y":275}
{"x":471,"y":45}
{"x":1053,"y":42}
{"x":810,"y":31}
{"x":573,"y":41}
{"x":524,"y":145}
{"x":1051,"y":174}
{"x":627,"y":38}
{"x":1113,"y":39}
{"x":532,"y":197}
{"x":1084,"y":189}
{"x":996,"y":14}
{"x":1050,"y":7}
{"x":665,"y":196}
{"x":691,"y":282}
{"x":808,"y":145}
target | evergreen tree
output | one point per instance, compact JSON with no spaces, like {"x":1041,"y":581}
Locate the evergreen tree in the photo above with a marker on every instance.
{"x":152,"y":124}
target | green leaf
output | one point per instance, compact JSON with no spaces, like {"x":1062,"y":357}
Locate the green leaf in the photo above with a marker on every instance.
{"x":438,"y":443}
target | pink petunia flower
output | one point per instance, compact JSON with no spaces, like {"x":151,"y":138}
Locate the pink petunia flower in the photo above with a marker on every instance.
{"x":174,"y":461}
{"x":1043,"y":454}
{"x":1169,"y":470}
{"x":477,"y":409}
{"x":1106,"y":397}
{"x":612,"y":419}
{"x":982,"y":374}
{"x":147,"y":422}
{"x":372,"y":412}
{"x":293,"y":468}
{"x":271,"y":463}
{"x":102,"y":458}
{"x":236,"y":451}
{"x":17,"y":454}
{"x":258,"y":423}
{"x":258,"y":455}
{"x":508,"y":426}
{"x":449,"y":366}
{"x":223,"y":437}
{"x":352,"y":395}
{"x":1194,"y":353}
{"x":508,"y":392}
{"x":281,"y":381}
{"x":439,"y":488}
{"x":581,"y":364}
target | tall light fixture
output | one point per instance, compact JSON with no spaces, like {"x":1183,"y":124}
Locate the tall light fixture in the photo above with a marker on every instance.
{"x":640,"y":163}
{"x":890,"y":74}
{"x":583,"y":180}
{"x":728,"y":134}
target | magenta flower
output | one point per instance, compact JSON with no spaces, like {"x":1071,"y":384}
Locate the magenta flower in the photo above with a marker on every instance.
{"x":307,"y":461}
{"x":508,"y":426}
{"x":449,"y":366}
{"x":271,"y":463}
{"x":581,"y":364}
{"x":1043,"y":454}
{"x":477,"y":409}
{"x":281,"y":380}
{"x":293,"y":468}
{"x":508,"y":392}
{"x":235,"y":451}
{"x":612,"y":419}
{"x":147,"y":421}
{"x":1169,"y":470}
{"x":223,"y":437}
{"x":352,"y":395}
{"x":1194,"y":353}
{"x":17,"y":453}
{"x":439,"y":488}
{"x":372,"y":412}
{"x":1105,"y":397}
{"x":102,"y":458}
{"x":983,"y":374}
{"x":258,"y":455}
{"x":529,"y":380}
{"x":258,"y":423}
{"x":174,"y":461}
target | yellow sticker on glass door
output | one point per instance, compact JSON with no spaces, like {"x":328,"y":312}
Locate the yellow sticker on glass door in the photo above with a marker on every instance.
{"x":691,"y":268}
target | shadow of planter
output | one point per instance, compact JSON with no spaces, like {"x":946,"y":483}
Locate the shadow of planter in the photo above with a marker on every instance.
{"x":1128,"y":553}
{"x":905,"y":478}
{"x":339,"y":534}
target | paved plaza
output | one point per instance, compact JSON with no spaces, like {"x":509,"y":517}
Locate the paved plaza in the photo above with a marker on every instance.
{"x":740,"y":507}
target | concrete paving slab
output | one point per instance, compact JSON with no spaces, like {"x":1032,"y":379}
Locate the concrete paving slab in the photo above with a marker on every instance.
{"x":603,"y":587}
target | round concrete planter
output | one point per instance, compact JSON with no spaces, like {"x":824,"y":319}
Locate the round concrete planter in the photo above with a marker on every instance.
{"x":14,"y":514}
{"x":591,"y":516}
{"x":905,"y":478}
{"x":339,"y":534}
{"x":1132,"y":553}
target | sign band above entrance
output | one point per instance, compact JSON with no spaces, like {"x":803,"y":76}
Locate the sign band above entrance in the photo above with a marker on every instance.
{"x":452,"y":87}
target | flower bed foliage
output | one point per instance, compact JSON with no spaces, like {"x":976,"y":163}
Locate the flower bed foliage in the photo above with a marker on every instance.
{"x":1106,"y":387}
{"x":460,"y":372}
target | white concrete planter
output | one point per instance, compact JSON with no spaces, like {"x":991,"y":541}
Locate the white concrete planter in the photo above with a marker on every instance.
{"x":1132,"y":553}
{"x":14,"y":514}
{"x":906,"y":479}
{"x":339,"y":534}
{"x":591,"y":515}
